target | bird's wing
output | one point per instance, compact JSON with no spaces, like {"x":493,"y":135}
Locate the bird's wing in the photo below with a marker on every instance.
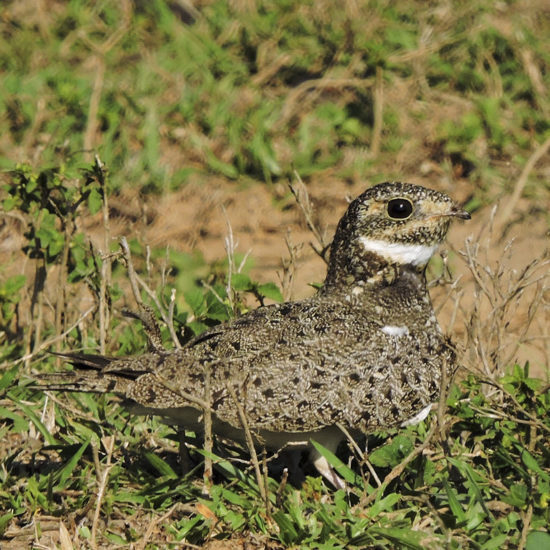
{"x":290,"y":367}
{"x":298,"y":367}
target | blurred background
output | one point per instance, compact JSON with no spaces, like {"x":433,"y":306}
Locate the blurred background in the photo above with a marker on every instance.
{"x":172,"y":92}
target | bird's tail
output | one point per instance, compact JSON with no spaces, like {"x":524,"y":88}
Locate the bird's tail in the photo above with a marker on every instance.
{"x":90,"y":374}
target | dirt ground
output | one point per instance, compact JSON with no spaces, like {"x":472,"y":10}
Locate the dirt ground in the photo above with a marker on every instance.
{"x":197,"y":217}
{"x":513,"y":275}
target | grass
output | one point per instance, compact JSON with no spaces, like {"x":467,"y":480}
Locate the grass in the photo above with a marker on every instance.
{"x":481,"y":481}
{"x":102,"y":99}
{"x":164,"y":94}
{"x":477,"y":474}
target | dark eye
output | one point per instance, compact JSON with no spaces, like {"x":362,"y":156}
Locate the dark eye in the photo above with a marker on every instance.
{"x":399,"y":209}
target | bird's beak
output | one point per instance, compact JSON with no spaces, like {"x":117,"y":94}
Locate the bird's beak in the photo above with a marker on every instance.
{"x":445,"y":211}
{"x":458,"y":212}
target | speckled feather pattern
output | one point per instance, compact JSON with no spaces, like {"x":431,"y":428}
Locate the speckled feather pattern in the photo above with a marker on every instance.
{"x":301,"y":367}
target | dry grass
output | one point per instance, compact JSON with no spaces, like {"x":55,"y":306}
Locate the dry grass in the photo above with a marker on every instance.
{"x":180,"y":101}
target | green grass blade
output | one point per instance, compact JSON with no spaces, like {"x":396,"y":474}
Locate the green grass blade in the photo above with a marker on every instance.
{"x":537,"y":540}
{"x":65,"y":472}
{"x":20,"y":424}
{"x":454,"y":504}
{"x":48,"y":437}
{"x":529,"y":461}
{"x":467,"y":471}
{"x":341,"y":469}
{"x":496,"y":542}
{"x":402,"y":538}
{"x":162,"y":467}
{"x":8,"y":377}
{"x":4,"y":522}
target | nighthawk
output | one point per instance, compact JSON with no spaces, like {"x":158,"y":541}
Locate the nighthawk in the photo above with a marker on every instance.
{"x":365,"y":353}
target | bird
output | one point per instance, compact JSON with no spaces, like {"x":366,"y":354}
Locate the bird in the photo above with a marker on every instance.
{"x":364,"y":354}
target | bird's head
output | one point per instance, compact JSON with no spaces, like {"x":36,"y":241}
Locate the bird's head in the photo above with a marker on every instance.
{"x":390,"y":225}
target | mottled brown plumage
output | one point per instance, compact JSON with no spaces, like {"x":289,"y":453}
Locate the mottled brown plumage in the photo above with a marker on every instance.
{"x":364,"y":353}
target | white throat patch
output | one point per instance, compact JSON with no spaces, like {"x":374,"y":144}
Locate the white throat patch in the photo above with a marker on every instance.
{"x":415,"y":254}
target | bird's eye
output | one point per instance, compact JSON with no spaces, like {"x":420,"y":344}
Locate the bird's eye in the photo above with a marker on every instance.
{"x":399,"y":209}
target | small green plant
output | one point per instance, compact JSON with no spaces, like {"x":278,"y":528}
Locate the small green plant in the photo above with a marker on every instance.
{"x":480,"y":479}
{"x":48,"y":205}
{"x":168,"y":93}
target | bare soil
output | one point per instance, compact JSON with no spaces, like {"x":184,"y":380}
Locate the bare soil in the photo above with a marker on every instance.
{"x":198,"y":217}
{"x":262,"y":218}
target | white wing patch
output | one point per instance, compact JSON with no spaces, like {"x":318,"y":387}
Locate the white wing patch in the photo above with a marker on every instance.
{"x":402,"y":253}
{"x":391,"y":330}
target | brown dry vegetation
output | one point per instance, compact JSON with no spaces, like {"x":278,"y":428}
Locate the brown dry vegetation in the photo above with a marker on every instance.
{"x":191,"y":218}
{"x":457,"y":100}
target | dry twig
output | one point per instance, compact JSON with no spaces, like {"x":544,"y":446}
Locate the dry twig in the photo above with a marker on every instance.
{"x":105,"y":279}
{"x":144,"y":311}
{"x":207,"y":423}
{"x":289,"y":267}
{"x":301,"y":195}
{"x":103,"y":477}
{"x":501,"y":297}
{"x":511,"y":203}
{"x":141,"y":545}
{"x":399,"y":469}
{"x":48,"y":343}
{"x":378,"y":113}
{"x":250,"y":444}
{"x":361,"y":456}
